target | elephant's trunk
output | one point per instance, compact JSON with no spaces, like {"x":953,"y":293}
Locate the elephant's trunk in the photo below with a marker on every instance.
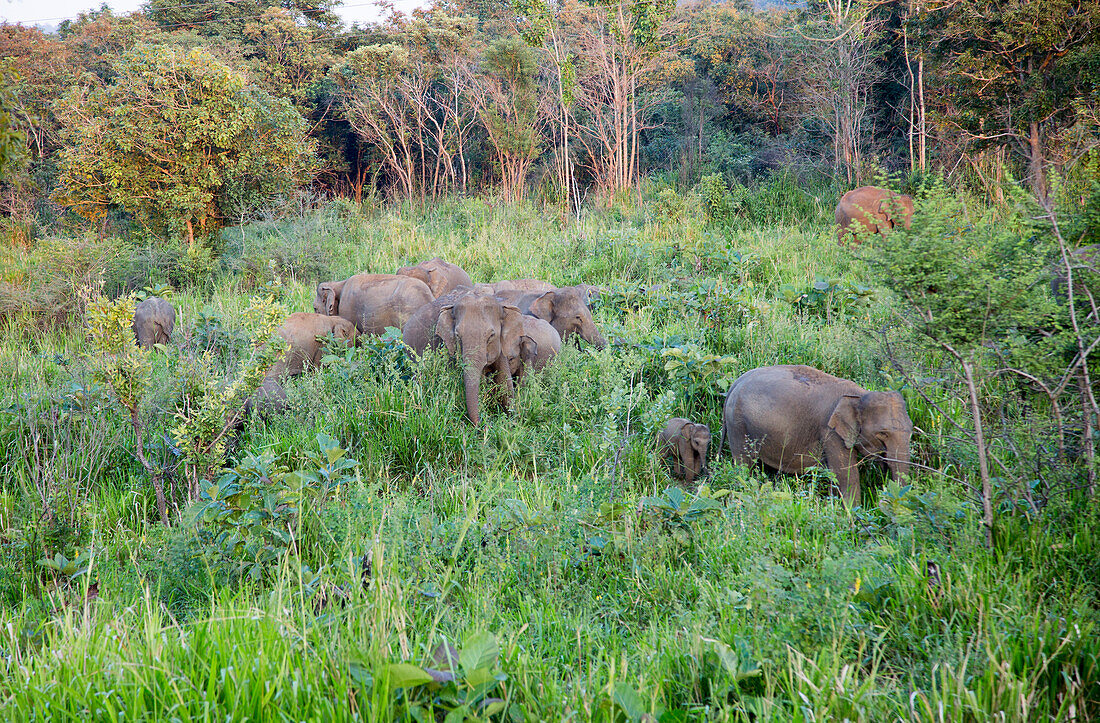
{"x":472,"y":378}
{"x":897,"y":461}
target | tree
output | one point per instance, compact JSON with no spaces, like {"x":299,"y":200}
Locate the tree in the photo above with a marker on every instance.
{"x":180,"y":141}
{"x":840,"y":64}
{"x":1020,"y":74}
{"x":510,"y":111}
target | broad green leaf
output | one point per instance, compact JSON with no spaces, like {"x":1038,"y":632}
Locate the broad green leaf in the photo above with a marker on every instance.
{"x":406,"y":675}
{"x":478,"y":651}
{"x":628,"y":701}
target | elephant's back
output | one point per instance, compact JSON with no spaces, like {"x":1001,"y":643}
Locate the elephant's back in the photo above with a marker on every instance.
{"x":788,"y":386}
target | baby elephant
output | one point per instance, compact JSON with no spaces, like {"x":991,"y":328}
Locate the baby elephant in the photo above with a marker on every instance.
{"x":154,"y":320}
{"x":686,"y":443}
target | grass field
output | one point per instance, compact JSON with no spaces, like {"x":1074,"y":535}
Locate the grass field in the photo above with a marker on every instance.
{"x":547,"y":552}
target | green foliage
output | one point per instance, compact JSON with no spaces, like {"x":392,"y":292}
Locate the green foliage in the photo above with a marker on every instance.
{"x":824,"y":297}
{"x":118,"y":362}
{"x":179,"y":140}
{"x":258,"y":513}
{"x":11,"y":140}
{"x":208,"y":409}
{"x":964,"y":280}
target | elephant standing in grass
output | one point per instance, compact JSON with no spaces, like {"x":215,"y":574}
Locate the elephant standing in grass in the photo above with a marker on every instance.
{"x":476,"y":328}
{"x":878,"y":210}
{"x":440,"y":276}
{"x":794,"y":417}
{"x":524,"y":285}
{"x":301,"y":331}
{"x":372,"y":301}
{"x":566,"y":309}
{"x":154,"y":320}
{"x":538,"y":345}
{"x":686,"y":444}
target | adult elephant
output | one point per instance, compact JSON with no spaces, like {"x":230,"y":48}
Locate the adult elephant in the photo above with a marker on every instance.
{"x":301,"y":331}
{"x":877,"y":210}
{"x":524,"y":285}
{"x":440,"y":276}
{"x":372,"y":301}
{"x":794,"y":417}
{"x":154,"y":320}
{"x":475,"y":327}
{"x":566,"y":309}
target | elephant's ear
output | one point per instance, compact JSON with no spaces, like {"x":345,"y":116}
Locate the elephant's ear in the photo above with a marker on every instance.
{"x":445,"y":329}
{"x":845,"y":419}
{"x":328,"y":299}
{"x":684,"y":449}
{"x":511,"y":322}
{"x":543,"y":307}
{"x":528,"y":349}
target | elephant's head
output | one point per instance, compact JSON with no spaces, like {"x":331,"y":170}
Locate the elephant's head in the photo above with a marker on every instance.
{"x":327,"y":299}
{"x":484,"y":333}
{"x":876,"y":425}
{"x":896,"y":207}
{"x":567,"y":311}
{"x":692,"y":445}
{"x":417,"y":272}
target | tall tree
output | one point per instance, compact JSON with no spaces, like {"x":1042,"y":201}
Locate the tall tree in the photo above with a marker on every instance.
{"x":840,"y":65}
{"x":1020,"y":74}
{"x":179,"y":140}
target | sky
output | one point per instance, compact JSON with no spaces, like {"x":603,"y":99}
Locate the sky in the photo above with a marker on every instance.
{"x":49,"y":13}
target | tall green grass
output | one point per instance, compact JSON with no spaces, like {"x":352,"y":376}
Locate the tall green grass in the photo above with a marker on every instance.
{"x":534,"y":527}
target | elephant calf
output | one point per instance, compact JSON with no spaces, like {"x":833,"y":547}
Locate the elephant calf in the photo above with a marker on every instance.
{"x":794,"y":417}
{"x":539,"y":343}
{"x":876,"y":209}
{"x":154,"y":320}
{"x":685,"y":443}
{"x":301,"y":331}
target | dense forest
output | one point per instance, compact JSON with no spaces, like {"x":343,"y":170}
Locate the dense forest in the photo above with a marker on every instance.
{"x":561,"y":101}
{"x":415,"y":370}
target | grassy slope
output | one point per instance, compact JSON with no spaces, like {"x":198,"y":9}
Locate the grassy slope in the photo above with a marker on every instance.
{"x":894,"y":613}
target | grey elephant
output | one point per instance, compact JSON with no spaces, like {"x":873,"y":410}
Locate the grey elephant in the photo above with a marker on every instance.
{"x":372,"y":301}
{"x":269,"y":399}
{"x":794,"y":417}
{"x":566,"y":309}
{"x":154,"y":321}
{"x":525,"y":285}
{"x":440,"y":276}
{"x":476,"y":328}
{"x":301,"y":331}
{"x":539,"y":343}
{"x":878,"y":210}
{"x":685,"y":444}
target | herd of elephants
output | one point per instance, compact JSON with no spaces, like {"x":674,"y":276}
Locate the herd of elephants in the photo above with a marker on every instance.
{"x":789,"y":418}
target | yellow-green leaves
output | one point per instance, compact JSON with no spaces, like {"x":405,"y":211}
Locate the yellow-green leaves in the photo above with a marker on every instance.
{"x":118,"y":362}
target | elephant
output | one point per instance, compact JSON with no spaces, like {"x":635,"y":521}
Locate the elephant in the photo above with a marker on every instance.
{"x":686,"y":443}
{"x":538,"y":345}
{"x":439,"y":275}
{"x":877,"y":209}
{"x":301,"y":331}
{"x":794,"y":417}
{"x":477,"y":328}
{"x":269,"y":399}
{"x":373,"y":301}
{"x":525,"y":285}
{"x":566,"y":309}
{"x":154,"y":320}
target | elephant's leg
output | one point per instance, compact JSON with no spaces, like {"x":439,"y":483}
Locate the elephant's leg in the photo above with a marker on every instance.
{"x":737,"y":435}
{"x":503,"y":376}
{"x":689,"y":470}
{"x":844,"y":463}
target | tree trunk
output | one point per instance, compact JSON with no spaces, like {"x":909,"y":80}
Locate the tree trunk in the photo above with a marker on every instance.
{"x":979,"y":439}
{"x":1035,"y":150}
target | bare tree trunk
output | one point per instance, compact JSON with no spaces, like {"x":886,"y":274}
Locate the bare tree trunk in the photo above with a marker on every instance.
{"x":979,"y":439}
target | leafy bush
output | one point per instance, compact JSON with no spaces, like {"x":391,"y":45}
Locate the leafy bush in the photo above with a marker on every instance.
{"x":258,"y":512}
